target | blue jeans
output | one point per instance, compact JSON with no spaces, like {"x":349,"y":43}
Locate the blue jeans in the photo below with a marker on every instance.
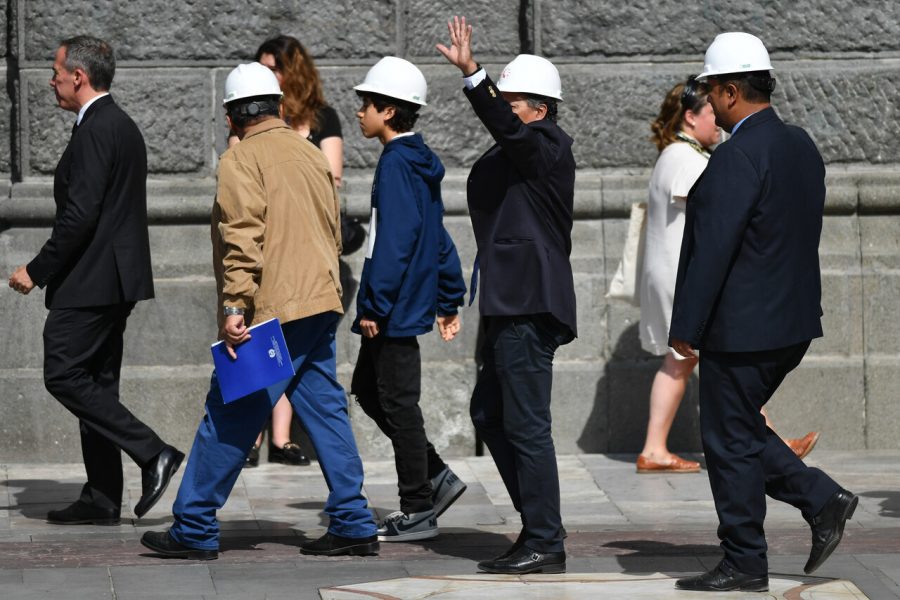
{"x":227,"y":432}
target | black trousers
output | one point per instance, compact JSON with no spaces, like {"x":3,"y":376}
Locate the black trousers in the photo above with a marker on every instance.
{"x":745,"y":459}
{"x":82,"y":361}
{"x":387,"y":383}
{"x":511,"y":412}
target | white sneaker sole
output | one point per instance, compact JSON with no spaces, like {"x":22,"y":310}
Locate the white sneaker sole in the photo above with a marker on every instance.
{"x":410,"y":537}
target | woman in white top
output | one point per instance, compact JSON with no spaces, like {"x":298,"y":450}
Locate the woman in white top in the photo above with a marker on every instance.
{"x":683,"y":132}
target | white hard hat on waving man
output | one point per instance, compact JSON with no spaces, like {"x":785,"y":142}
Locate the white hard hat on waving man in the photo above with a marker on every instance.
{"x":395,"y":78}
{"x":735,"y":52}
{"x":530,"y":74}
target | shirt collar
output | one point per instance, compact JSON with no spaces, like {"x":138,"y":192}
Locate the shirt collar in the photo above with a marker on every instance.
{"x":735,"y":128}
{"x":87,"y":105}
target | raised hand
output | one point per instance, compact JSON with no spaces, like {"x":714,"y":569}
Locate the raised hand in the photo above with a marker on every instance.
{"x":460,"y":51}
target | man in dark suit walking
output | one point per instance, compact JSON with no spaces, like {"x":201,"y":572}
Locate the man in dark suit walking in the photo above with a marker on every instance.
{"x":520,"y":195}
{"x":748,"y":295}
{"x":96,"y":266}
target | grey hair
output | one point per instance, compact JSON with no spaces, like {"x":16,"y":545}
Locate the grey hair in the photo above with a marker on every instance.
{"x":535,"y":103}
{"x":93,"y":56}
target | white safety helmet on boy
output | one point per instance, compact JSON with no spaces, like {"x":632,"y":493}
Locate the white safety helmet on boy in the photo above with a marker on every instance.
{"x":396,"y":78}
{"x":249,"y":80}
{"x":530,"y":74}
{"x":735,"y":52}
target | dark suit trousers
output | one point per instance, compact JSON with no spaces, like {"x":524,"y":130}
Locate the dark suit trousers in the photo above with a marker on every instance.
{"x":745,"y":459}
{"x":511,"y":412}
{"x":82,"y":360}
{"x":387,"y":383}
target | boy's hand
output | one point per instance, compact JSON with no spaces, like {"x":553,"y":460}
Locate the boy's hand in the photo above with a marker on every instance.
{"x":448,"y":326}
{"x":369,"y":328}
{"x":460,"y":51}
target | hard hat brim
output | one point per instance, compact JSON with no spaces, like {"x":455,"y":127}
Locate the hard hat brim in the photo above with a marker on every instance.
{"x":715,"y":72}
{"x":374,"y":89}
{"x":503,"y":88}
{"x":227,"y":102}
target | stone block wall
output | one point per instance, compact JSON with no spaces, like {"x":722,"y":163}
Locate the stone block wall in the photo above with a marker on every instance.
{"x":616,"y":61}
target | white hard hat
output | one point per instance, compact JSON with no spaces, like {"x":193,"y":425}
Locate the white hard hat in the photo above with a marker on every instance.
{"x":530,"y":74}
{"x":395,"y":78}
{"x":248,"y":80}
{"x":735,"y":52}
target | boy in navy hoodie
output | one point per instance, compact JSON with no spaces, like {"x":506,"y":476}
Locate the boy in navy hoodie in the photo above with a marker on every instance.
{"x":411,"y":273}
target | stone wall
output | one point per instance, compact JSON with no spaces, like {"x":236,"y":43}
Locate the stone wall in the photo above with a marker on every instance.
{"x":616,"y":60}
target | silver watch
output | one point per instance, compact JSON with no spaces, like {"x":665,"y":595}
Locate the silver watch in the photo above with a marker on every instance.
{"x":233,"y":310}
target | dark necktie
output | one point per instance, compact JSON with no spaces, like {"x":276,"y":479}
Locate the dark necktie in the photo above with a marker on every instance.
{"x":473,"y":285}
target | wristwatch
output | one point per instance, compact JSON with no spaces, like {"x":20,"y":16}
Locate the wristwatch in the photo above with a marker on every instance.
{"x":233,"y":310}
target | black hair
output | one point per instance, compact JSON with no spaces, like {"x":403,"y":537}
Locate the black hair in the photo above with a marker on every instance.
{"x":93,"y":56}
{"x":693,"y":95}
{"x":405,"y":113}
{"x":535,"y":101}
{"x":248,"y":111}
{"x":756,"y":86}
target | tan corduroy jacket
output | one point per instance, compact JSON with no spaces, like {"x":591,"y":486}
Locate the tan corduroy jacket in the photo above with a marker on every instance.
{"x":276,"y":227}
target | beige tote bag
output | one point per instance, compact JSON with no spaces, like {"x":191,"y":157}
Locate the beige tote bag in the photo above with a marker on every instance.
{"x":626,"y":283}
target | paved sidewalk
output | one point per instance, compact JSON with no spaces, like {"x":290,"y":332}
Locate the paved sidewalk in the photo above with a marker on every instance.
{"x":629,"y":535}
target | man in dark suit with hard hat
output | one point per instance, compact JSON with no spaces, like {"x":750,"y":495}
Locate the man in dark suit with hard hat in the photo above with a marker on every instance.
{"x":520,"y":195}
{"x":748,"y":296}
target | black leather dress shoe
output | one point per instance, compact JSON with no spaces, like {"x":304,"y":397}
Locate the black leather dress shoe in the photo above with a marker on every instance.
{"x":828,"y":528}
{"x":335,"y":545}
{"x":155,"y":478}
{"x":525,"y":560}
{"x":724,"y":578}
{"x":520,"y":541}
{"x":162,"y":543}
{"x":289,"y":454}
{"x":82,"y":513}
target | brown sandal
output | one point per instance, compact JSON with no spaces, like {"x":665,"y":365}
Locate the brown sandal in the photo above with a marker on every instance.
{"x":676,"y":465}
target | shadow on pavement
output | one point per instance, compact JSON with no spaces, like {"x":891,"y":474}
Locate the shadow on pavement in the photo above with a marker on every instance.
{"x":38,"y":496}
{"x":890,"y":506}
{"x":650,"y":552}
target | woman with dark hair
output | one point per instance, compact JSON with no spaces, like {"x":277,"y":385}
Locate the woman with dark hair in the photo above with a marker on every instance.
{"x":684,"y":131}
{"x":303,"y":108}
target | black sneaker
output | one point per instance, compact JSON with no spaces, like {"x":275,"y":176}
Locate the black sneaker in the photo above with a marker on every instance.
{"x":335,"y":545}
{"x":401,"y":527}
{"x":446,"y":487}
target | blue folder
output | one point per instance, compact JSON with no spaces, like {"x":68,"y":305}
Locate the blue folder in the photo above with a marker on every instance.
{"x":263,"y":360}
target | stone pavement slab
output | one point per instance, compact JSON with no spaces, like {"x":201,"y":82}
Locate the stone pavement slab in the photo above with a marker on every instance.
{"x":624,"y":529}
{"x":652,"y":586}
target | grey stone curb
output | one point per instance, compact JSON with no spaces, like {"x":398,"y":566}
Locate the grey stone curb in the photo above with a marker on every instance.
{"x":598,"y":194}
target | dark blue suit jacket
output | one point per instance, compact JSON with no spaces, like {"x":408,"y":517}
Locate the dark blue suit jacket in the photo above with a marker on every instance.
{"x":748,"y":276}
{"x":99,"y":251}
{"x":520,"y":195}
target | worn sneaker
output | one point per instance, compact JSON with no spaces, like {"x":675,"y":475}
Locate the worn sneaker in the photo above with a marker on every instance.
{"x":402,"y":527}
{"x":446,"y":487}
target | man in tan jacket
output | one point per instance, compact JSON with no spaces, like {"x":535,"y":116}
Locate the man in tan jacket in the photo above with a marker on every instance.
{"x":276,"y":242}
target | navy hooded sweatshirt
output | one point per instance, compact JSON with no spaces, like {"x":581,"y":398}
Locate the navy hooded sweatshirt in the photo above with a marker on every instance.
{"x":412,"y":270}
